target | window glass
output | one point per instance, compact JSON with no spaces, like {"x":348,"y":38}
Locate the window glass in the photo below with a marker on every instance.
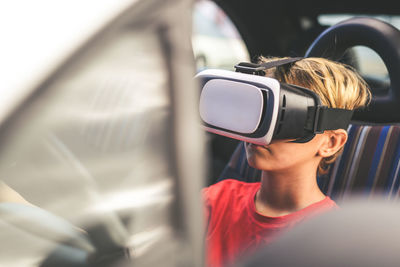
{"x":367,"y":61}
{"x":216,"y":41}
{"x":370,"y":63}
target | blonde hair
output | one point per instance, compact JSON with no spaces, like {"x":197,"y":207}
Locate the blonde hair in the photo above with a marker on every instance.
{"x":338,"y":86}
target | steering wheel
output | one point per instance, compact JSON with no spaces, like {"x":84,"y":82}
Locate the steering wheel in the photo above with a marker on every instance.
{"x":381,"y":37}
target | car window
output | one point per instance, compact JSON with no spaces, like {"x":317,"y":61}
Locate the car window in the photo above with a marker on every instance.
{"x":216,"y":41}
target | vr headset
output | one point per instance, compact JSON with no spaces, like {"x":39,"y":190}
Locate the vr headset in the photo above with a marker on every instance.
{"x":248,"y":106}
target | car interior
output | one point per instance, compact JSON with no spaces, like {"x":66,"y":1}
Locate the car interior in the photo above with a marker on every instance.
{"x":100,"y":152}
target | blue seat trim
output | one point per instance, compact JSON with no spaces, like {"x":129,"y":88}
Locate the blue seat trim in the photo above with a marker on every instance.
{"x":376,"y":159}
{"x":393,"y":183}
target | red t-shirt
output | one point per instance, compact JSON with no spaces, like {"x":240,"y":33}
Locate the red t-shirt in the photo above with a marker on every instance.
{"x":235,"y":228}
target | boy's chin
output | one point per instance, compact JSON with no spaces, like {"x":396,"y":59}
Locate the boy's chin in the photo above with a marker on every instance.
{"x":255,"y":163}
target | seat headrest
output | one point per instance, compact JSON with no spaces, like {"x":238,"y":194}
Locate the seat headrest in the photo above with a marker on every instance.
{"x":379,"y":36}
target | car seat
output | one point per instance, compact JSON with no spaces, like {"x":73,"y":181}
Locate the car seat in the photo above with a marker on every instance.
{"x":369,"y":163}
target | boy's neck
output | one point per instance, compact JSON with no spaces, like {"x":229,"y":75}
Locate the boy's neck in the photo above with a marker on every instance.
{"x":284,"y":192}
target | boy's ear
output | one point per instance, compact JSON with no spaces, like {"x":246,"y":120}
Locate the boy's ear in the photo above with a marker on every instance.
{"x":334,"y":141}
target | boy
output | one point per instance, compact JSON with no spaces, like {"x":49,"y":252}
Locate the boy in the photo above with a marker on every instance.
{"x":243,"y":216}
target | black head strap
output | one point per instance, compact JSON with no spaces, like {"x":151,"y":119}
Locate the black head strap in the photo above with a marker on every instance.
{"x":330,"y":118}
{"x":280,"y":62}
{"x":323,"y":118}
{"x":258,"y":69}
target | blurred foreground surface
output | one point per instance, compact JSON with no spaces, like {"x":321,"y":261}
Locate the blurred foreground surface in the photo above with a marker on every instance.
{"x":98,"y":134}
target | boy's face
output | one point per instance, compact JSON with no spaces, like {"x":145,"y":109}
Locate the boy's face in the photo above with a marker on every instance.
{"x":284,"y":155}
